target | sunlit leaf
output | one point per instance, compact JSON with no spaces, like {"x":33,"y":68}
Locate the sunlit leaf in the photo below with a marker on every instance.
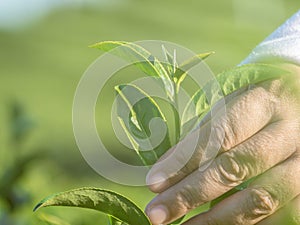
{"x":224,"y":84}
{"x":113,"y":221}
{"x":105,"y":201}
{"x":143,"y":122}
{"x":178,"y":221}
{"x":183,"y":68}
{"x":51,"y":219}
{"x":140,"y":57}
{"x":171,"y":66}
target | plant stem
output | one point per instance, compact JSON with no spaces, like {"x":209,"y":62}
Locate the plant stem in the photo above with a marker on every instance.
{"x":176,"y":116}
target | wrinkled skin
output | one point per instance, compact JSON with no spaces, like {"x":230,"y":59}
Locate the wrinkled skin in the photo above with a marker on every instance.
{"x":259,"y":135}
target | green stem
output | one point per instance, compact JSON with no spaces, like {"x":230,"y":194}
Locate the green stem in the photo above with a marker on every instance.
{"x":176,"y":116}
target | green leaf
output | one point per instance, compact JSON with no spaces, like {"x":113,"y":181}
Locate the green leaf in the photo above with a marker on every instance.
{"x":136,"y":111}
{"x":234,"y":79}
{"x":141,"y":58}
{"x":178,"y":221}
{"x":51,"y":219}
{"x":224,"y":84}
{"x":101,"y":200}
{"x":171,"y":59}
{"x":171,"y":66}
{"x":194,"y":111}
{"x":183,"y":69}
{"x":114,"y":221}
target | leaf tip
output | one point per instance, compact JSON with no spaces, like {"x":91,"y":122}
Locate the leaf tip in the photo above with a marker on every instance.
{"x":205,"y":55}
{"x":93,"y":45}
{"x":118,"y":88}
{"x":37,"y":206}
{"x":99,"y":44}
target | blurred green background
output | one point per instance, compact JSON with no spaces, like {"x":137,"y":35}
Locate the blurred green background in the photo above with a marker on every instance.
{"x":43,"y":54}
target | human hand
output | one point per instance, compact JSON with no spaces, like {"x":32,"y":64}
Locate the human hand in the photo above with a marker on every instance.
{"x":258,"y":135}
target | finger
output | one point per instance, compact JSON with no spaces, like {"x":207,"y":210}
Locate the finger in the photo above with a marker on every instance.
{"x":288,"y":215}
{"x":251,"y":158}
{"x":220,"y":104}
{"x":245,"y":116}
{"x":266,"y":195}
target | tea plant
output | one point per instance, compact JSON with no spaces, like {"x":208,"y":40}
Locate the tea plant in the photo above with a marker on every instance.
{"x":120,"y":209}
{"x":16,"y":163}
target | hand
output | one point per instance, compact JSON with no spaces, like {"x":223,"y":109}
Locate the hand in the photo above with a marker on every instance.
{"x":258,"y":135}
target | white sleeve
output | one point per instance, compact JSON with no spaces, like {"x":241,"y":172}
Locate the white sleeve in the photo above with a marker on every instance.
{"x":283,"y":44}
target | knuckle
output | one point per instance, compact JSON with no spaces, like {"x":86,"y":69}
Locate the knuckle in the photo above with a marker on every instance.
{"x":261,"y":202}
{"x":230,"y":170}
{"x":225,"y":133}
{"x":188,"y":197}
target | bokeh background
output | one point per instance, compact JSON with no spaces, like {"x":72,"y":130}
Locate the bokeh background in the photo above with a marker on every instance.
{"x":43,"y":54}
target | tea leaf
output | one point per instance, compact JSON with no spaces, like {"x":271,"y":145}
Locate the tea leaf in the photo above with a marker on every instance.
{"x":224,"y":84}
{"x":141,"y":58}
{"x":101,"y":200}
{"x":51,"y":219}
{"x":143,"y":123}
{"x":178,"y":221}
{"x":168,"y":56}
{"x":113,"y":221}
{"x":171,"y":66}
{"x":182,"y":70}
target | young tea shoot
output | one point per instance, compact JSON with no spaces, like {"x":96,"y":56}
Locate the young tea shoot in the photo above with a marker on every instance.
{"x":136,"y":123}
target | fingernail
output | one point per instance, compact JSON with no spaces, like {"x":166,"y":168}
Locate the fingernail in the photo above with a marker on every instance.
{"x":158,"y":214}
{"x":156,"y":180}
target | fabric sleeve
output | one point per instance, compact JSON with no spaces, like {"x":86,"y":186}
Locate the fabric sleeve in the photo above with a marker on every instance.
{"x":283,"y":44}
